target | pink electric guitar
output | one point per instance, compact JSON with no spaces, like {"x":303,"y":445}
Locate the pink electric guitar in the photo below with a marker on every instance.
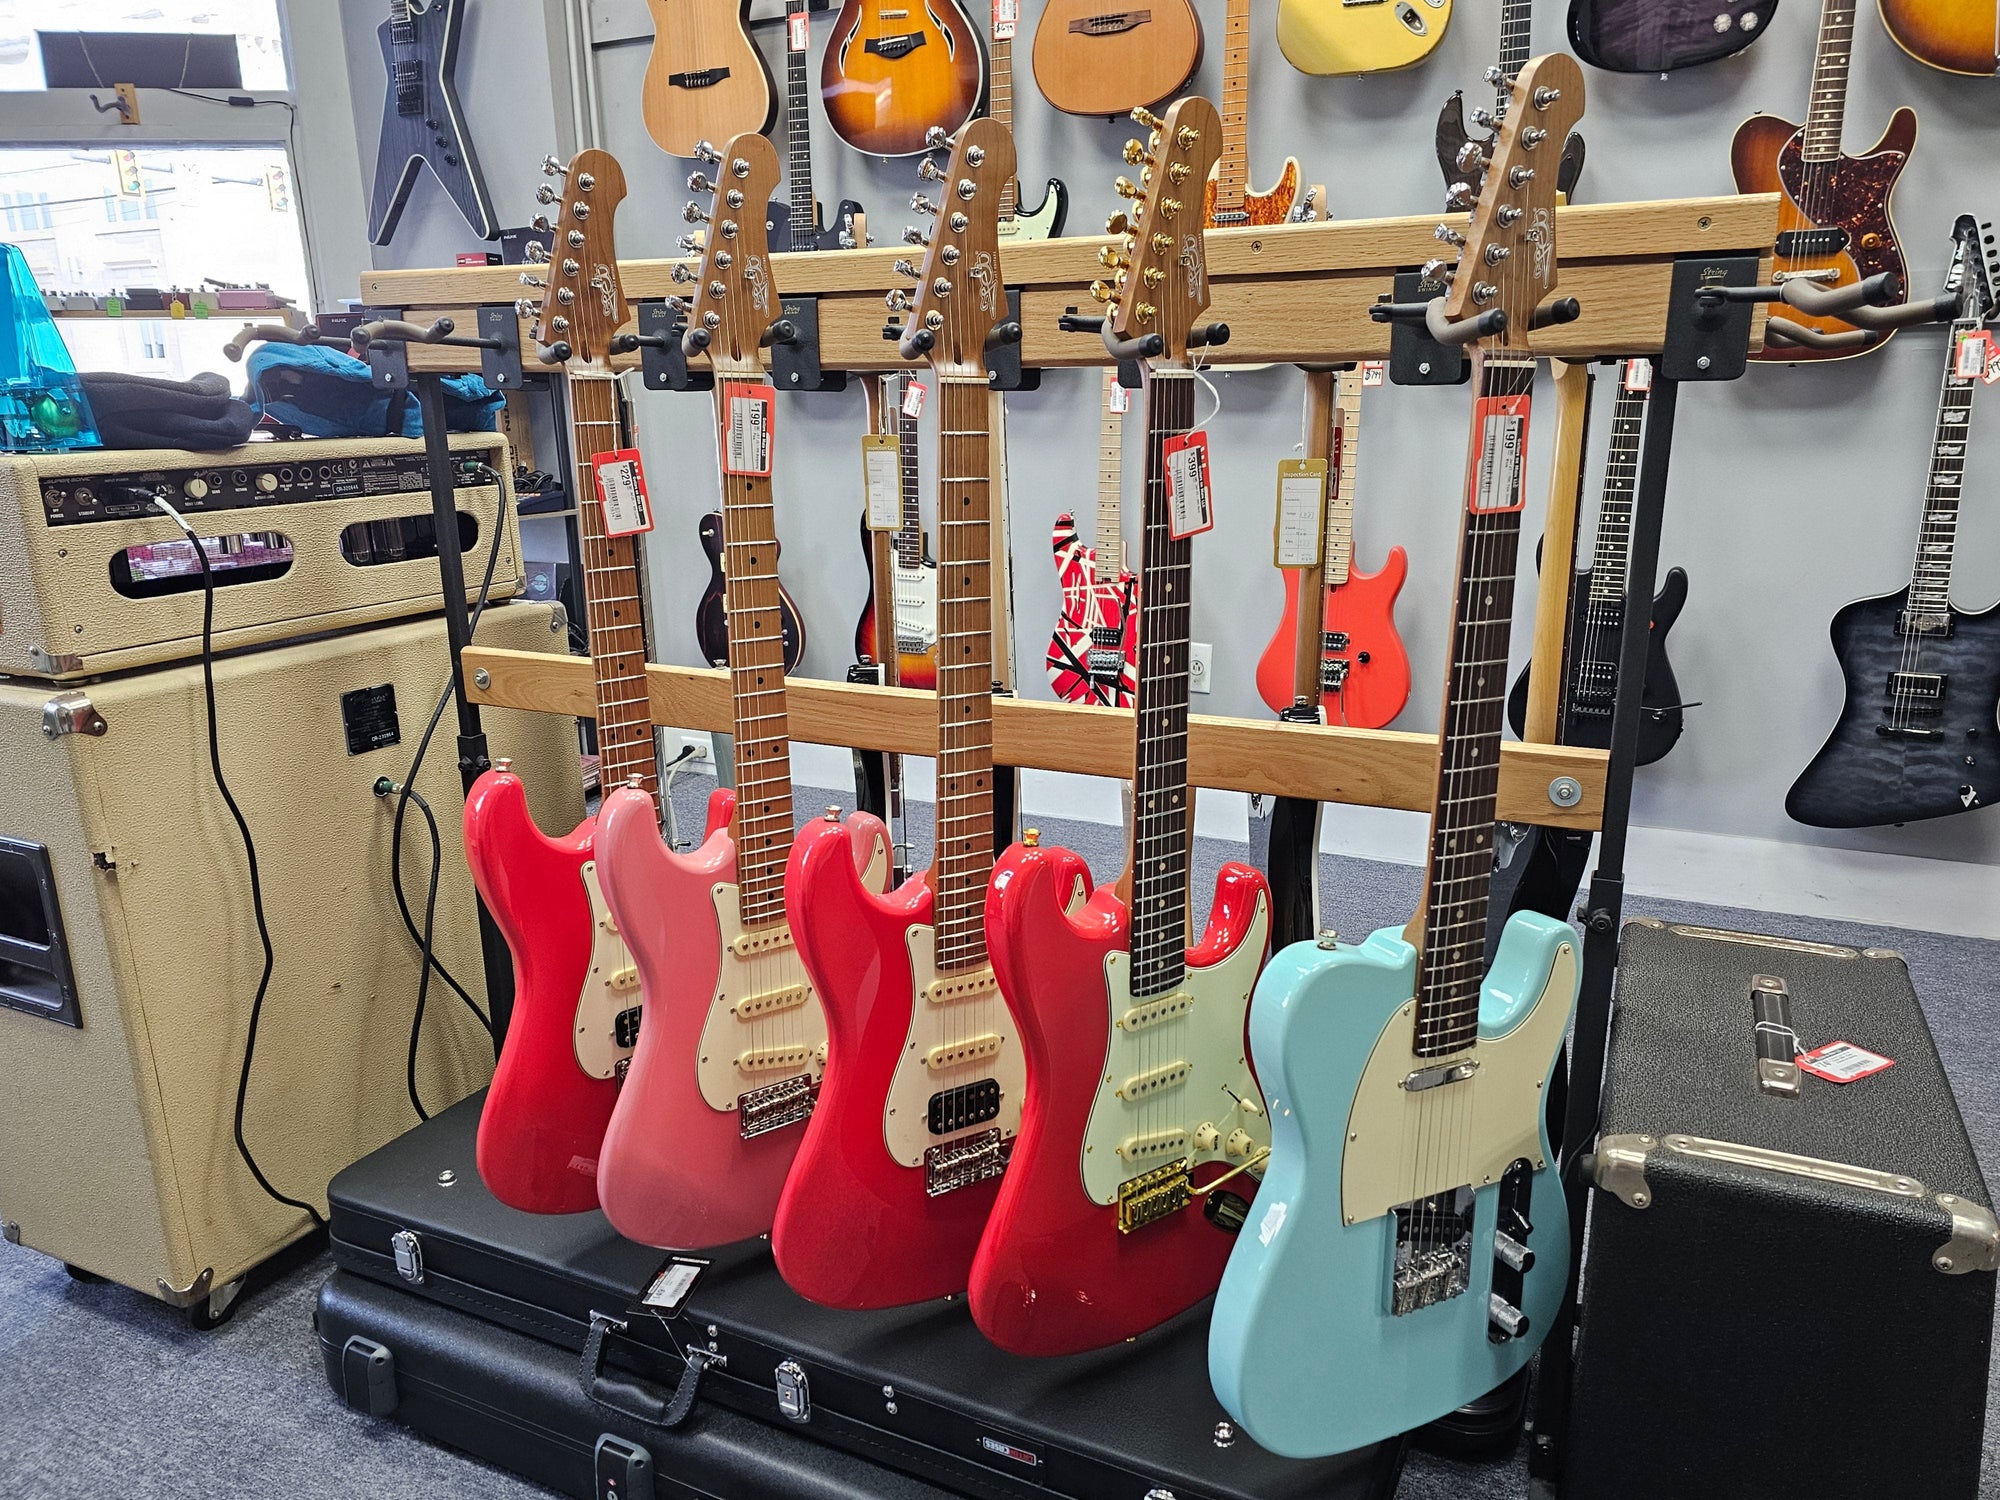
{"x":576,"y":993}
{"x":731,"y":1035}
{"x":1141,"y":1102}
{"x":924,"y":1075}
{"x":1094,"y":656}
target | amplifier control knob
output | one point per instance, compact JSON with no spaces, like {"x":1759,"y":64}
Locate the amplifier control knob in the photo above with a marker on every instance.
{"x":196,"y":488}
{"x":267,"y":483}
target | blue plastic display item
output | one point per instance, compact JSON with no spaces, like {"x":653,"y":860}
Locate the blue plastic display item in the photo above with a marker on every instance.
{"x":42,"y":405}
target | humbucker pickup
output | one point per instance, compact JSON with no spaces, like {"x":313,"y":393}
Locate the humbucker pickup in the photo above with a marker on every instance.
{"x":1597,"y":680}
{"x":958,"y":1164}
{"x":1917,"y":692}
{"x":963,"y":1107}
{"x":625,"y":1027}
{"x":958,"y":1054}
{"x":1105,"y":638}
{"x":1808,"y":244}
{"x":1154,"y":1012}
{"x":409,"y":88}
{"x":764,"y":940}
{"x":1932,"y":624}
{"x":1154,"y":1081}
{"x":775,"y":1105}
{"x":951,"y":988}
{"x":893,"y":47}
{"x":752,"y":1007}
{"x":706,"y":78}
{"x":1154,"y":1195}
{"x":766,"y":1059}
{"x":1335,"y":640}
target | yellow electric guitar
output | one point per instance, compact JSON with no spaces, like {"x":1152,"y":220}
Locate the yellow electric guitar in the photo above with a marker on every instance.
{"x":1339,"y":37}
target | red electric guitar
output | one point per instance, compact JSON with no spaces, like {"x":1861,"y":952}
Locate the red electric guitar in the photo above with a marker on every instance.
{"x":1140,"y":1095}
{"x":1363,"y":678}
{"x":924,"y":1075}
{"x":1094,"y":654}
{"x":576,"y":993}
{"x":731,"y":1036}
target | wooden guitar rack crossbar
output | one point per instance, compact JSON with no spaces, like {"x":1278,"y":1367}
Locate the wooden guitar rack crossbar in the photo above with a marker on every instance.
{"x":1294,"y":292}
{"x":1370,"y":767}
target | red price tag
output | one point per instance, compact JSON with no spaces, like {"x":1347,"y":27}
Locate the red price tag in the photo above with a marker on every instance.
{"x":799,"y":31}
{"x":913,"y":399}
{"x":1120,"y":399}
{"x":746,"y":447}
{"x":1190,"y":508}
{"x":1974,"y":355}
{"x":1006,"y":15}
{"x":1499,"y":465}
{"x":1843,"y":1062}
{"x":1373,"y":372}
{"x":621,"y":491}
{"x":1638,"y":374}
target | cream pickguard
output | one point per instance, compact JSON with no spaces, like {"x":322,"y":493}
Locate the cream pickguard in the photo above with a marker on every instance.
{"x":610,"y":989}
{"x":960,"y":1032}
{"x":1177,"y":1083}
{"x":764,"y":1021}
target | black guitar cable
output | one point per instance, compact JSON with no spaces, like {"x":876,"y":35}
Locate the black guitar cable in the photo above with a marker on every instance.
{"x":383,"y":787}
{"x":250,"y":854}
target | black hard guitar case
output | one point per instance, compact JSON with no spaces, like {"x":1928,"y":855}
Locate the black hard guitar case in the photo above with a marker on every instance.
{"x":917,"y":1391}
{"x":1788,"y":1283}
{"x":1661,"y":36}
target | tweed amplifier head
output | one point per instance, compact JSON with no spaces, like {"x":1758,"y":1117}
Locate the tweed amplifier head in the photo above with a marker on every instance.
{"x":313,"y":536}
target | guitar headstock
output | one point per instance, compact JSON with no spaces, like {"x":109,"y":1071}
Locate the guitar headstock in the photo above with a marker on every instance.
{"x":1507,"y":256}
{"x":583,"y":301}
{"x":1159,"y":265}
{"x":733,"y":299}
{"x":1975,"y":269}
{"x":960,"y":297}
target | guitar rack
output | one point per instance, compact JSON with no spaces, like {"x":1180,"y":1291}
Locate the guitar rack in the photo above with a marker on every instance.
{"x":1684,"y":283}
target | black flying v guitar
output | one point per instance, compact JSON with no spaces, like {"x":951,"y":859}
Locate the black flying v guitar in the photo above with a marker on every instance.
{"x":422,"y":123}
{"x":1916,"y":736}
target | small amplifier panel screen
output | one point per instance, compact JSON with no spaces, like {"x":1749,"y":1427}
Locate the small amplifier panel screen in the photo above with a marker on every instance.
{"x":291,"y":480}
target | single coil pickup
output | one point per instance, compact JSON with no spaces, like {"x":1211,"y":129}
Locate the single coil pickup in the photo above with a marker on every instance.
{"x":764,"y":940}
{"x":1154,"y":1081}
{"x":626,"y":978}
{"x":1138,"y":1148}
{"x":963,"y":1107}
{"x":955,"y":987}
{"x":766,"y":1059}
{"x":751,"y":1007}
{"x":1154,"y":1195}
{"x":775,"y":1105}
{"x":1807,"y":244}
{"x":625,"y":1027}
{"x":959,"y":1164}
{"x":1155,"y":1012}
{"x":1928,"y":623}
{"x":1916,"y":688}
{"x":957,"y":1054}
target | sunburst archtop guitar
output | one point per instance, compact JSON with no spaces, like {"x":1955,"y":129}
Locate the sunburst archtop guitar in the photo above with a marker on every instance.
{"x":1959,"y":36}
{"x":1410,"y":1243}
{"x":731,"y":1034}
{"x":894,"y":70}
{"x":706,"y":79}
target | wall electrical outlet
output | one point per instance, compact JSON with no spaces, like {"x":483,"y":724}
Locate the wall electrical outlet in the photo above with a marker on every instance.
{"x":1200,"y":655}
{"x":704,"y":746}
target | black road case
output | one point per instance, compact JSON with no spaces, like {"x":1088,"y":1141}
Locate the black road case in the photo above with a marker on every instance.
{"x":917,"y":1390}
{"x":1788,"y":1282}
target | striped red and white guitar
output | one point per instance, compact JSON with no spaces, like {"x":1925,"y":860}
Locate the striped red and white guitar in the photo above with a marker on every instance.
{"x":1094,"y":654}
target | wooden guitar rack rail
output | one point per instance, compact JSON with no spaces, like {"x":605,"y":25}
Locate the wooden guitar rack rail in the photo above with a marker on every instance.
{"x":1291,"y":293}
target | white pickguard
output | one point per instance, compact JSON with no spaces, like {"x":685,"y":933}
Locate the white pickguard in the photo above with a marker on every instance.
{"x":792,"y":1038}
{"x":1207,"y":1038}
{"x":960,"y":1023}
{"x":610,"y":988}
{"x":916,"y":594}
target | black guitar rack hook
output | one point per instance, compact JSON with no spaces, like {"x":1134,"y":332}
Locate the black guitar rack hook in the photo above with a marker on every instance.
{"x":1872,"y":306}
{"x":663,"y":362}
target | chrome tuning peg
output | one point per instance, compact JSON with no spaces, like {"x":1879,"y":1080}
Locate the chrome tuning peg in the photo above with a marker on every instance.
{"x":683,"y":273}
{"x":1445,"y":234}
{"x":540,"y":224}
{"x":1137,"y":154}
{"x":537,"y":254}
{"x":1520,"y":177}
{"x":1532,"y":136}
{"x":694,"y":213}
{"x":1544,"y":97}
{"x":915,"y":236}
{"x":1471,"y":157}
{"x":1436,"y":269}
{"x":1495,"y":75}
{"x":905,"y":269}
{"x":938,"y":140}
{"x":897,"y":301}
{"x":1507,"y":215}
{"x":547,"y":194}
{"x":535,"y":281}
{"x":693,"y":243}
{"x":1485,"y":119}
{"x":526,"y":307}
{"x":698,"y":183}
{"x":705,"y":152}
{"x":680,"y":305}
{"x":1459,"y":195}
{"x":922,"y":204}
{"x":553,"y":168}
{"x":929,"y":170}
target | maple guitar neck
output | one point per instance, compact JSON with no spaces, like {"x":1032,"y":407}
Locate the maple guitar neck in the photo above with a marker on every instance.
{"x":1232,"y":172}
{"x":613,"y":610}
{"x":1108,"y":560}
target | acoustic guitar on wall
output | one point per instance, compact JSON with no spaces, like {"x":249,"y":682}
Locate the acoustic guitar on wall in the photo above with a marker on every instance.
{"x":1091,"y":59}
{"x":706,"y":79}
{"x":893,"y":70}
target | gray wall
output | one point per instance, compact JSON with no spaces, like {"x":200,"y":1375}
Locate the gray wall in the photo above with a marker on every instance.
{"x":1794,"y":490}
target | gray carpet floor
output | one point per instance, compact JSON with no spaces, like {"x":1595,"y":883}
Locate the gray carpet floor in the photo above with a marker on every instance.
{"x":106,"y":1393}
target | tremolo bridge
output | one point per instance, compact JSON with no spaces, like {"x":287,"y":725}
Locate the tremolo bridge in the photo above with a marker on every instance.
{"x":776,"y":1105}
{"x":961,"y":1163}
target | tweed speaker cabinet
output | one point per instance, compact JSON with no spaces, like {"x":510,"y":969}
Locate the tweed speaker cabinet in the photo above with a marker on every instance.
{"x":65,"y":517}
{"x":115,"y":1134}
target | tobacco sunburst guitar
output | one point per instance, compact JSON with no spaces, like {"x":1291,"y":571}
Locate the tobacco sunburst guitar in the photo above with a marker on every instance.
{"x":1833,"y":218}
{"x":706,"y":79}
{"x":1140,"y":1096}
{"x":1959,"y":36}
{"x":1227,"y":199}
{"x":1410,"y":1242}
{"x":731,"y":1034}
{"x":894,"y":70}
{"x":924,"y":1079}
{"x":1093,"y":58}
{"x":1340,"y":37}
{"x":913,"y":583}
{"x":1094,"y":654}
{"x":576,"y":990}
{"x":1356,"y":669}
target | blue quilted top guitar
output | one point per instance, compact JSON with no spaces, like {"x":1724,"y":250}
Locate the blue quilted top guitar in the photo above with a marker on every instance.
{"x":1409,"y":1245}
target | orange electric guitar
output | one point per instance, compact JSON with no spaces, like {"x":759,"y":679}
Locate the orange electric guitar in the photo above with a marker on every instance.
{"x":893,"y":70}
{"x":1228,"y":199}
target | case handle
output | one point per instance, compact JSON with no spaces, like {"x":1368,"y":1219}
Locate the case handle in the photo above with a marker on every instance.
{"x":631,"y":1397}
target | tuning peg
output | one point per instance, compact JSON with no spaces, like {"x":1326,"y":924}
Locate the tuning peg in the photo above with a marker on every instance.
{"x":1112,"y":256}
{"x":1494,"y":75}
{"x":897,"y":300}
{"x":694,"y":213}
{"x":705,"y":152}
{"x":683,"y":273}
{"x":1436,"y":269}
{"x":1148,"y":119}
{"x":1544,"y":97}
{"x":1509,"y":214}
{"x":1532,"y":136}
{"x":1497,"y":253}
{"x":1484,"y":119}
{"x":929,"y":170}
{"x":553,"y":168}
{"x":1125,"y":187}
{"x":547,"y":194}
{"x":1471,"y":157}
{"x":1520,"y":177}
{"x":536,"y":253}
{"x":536,"y":281}
{"x":1459,"y":195}
{"x":698,"y":183}
{"x":906,"y":269}
{"x":1136,"y":153}
{"x":915,"y":236}
{"x":1446,"y":234}
{"x":525,"y":307}
{"x":693,"y":244}
{"x":938,"y":139}
{"x":540,"y":224}
{"x":1118,"y":224}
{"x":1484,"y":292}
{"x":1100,"y":291}
{"x":922,"y":204}
{"x":585,"y":182}
{"x":680,"y":305}
{"x":559,"y":324}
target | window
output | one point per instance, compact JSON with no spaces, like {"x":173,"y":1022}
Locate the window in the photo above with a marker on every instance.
{"x":259,"y":45}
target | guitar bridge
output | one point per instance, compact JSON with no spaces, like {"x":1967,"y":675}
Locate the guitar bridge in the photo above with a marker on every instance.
{"x":775,"y":1105}
{"x":1155,"y":1195}
{"x":1333,"y":674}
{"x":959,"y":1164}
{"x":706,"y":78}
{"x":1433,"y":1261}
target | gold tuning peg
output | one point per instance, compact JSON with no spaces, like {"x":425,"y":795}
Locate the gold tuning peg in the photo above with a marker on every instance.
{"x":1125,"y":187}
{"x":1135,"y":152}
{"x":1100,"y":291}
{"x":1153,"y":276}
{"x":1187,"y":135}
{"x":1118,"y":224}
{"x":1145,"y":312}
{"x":1148,"y":119}
{"x":1112,"y":256}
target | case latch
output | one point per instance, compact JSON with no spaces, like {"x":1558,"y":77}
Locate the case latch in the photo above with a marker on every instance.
{"x":794,"y":1392}
{"x":409,"y":1253}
